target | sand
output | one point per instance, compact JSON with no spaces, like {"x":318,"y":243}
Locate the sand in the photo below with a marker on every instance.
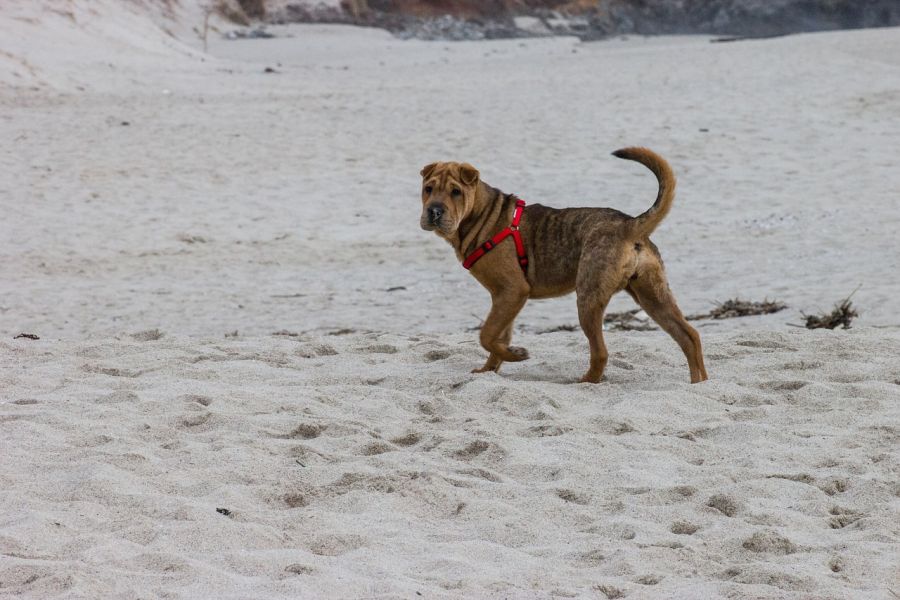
{"x":237,"y":311}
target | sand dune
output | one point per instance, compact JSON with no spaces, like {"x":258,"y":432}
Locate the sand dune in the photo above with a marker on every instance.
{"x":166,"y":211}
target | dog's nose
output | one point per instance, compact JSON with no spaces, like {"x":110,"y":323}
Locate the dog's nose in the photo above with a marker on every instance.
{"x":435,"y":213}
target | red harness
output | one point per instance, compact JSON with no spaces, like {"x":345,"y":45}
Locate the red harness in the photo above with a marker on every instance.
{"x":512,"y":230}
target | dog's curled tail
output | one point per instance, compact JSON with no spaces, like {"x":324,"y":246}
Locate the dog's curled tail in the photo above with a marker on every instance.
{"x":644,"y":224}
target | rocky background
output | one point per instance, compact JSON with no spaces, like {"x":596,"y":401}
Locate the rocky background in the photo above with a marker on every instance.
{"x":587,"y":19}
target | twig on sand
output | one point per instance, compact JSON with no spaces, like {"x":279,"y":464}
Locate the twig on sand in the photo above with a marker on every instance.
{"x":27,"y":336}
{"x":731,"y":309}
{"x":477,"y":327}
{"x":842,"y":314}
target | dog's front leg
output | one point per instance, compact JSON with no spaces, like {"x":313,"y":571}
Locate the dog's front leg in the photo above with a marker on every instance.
{"x":496,"y":332}
{"x":493,"y":362}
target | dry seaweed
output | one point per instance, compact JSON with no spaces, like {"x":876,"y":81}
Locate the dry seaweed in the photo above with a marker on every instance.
{"x":842,"y":314}
{"x":627,"y":321}
{"x":732,"y":309}
{"x":617,"y":321}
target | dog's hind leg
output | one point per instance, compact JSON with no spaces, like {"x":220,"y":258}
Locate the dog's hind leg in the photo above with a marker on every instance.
{"x":590,"y":315}
{"x":650,"y":290}
{"x":599,"y":277}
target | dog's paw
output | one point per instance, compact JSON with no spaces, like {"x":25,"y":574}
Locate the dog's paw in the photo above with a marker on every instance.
{"x":591,"y":378}
{"x":517,"y":353}
{"x":486,"y":369}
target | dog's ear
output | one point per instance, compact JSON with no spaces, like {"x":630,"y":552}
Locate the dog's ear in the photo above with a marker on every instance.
{"x":468,"y":174}
{"x":427,"y":170}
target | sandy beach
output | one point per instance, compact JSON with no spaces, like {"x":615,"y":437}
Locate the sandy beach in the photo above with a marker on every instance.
{"x":242,"y":386}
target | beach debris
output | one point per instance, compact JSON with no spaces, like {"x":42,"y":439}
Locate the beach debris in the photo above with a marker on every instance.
{"x":629,"y":320}
{"x":248,"y":34}
{"x":27,"y":336}
{"x":638,"y":320}
{"x":342,"y":331}
{"x":734,"y":308}
{"x":396,"y":288}
{"x":223,"y":511}
{"x":557,"y":328}
{"x":842,"y":314}
{"x":269,"y":70}
{"x":191,"y":239}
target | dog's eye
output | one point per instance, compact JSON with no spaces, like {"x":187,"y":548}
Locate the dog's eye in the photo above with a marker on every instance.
{"x":427,"y":189}
{"x":455,"y":192}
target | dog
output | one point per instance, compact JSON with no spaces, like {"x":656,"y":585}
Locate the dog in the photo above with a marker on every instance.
{"x":595,"y":252}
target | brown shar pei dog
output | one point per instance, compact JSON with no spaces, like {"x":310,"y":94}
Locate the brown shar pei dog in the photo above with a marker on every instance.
{"x":595,"y":252}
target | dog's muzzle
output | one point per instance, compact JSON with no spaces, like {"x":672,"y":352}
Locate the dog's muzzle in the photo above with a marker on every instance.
{"x":435,"y":212}
{"x":431,"y":216}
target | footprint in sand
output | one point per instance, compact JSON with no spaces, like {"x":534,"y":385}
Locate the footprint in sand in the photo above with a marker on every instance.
{"x":315,"y":351}
{"x":201,"y":400}
{"x":376,"y":448}
{"x":573,"y":497}
{"x":295,"y":500}
{"x":193,"y":421}
{"x":378,"y":349}
{"x":726,"y":505}
{"x":784,"y":386}
{"x":833,"y":486}
{"x":298,"y":569}
{"x":546,"y":431}
{"x":304,"y":431}
{"x":472,"y":450}
{"x":683,"y":528}
{"x":335,"y":545}
{"x":769,"y":542}
{"x":118,"y":397}
{"x":410,"y":439}
{"x":433,"y":355}
{"x":482,"y":473}
{"x":842,"y":517}
{"x":765,"y":344}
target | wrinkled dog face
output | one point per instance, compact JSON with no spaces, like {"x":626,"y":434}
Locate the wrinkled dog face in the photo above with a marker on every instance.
{"x":448,"y":195}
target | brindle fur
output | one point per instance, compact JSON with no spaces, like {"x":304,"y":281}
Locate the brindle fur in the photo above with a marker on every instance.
{"x":595,"y":252}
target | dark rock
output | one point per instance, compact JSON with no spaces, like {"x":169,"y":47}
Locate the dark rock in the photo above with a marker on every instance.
{"x":475,"y":20}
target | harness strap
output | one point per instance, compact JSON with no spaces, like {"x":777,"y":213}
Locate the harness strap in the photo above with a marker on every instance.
{"x":512,"y":230}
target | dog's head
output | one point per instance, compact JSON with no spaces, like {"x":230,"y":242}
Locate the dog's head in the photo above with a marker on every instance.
{"x":448,"y":195}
